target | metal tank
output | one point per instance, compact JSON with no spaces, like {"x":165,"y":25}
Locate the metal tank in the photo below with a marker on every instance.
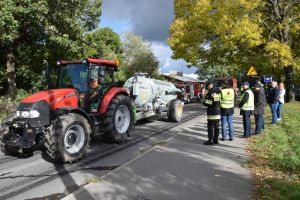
{"x":150,"y":96}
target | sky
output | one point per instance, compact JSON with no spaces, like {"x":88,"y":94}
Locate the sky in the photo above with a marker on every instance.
{"x":147,"y":18}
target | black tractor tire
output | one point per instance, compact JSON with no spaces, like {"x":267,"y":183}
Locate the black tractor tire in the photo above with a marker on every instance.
{"x":120,"y":106}
{"x":68,"y":127}
{"x":7,"y":149}
{"x":175,"y":110}
{"x":10,"y":150}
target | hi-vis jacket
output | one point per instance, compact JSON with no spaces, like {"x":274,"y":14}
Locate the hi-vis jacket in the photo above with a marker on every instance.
{"x":227,"y":101}
{"x":212,"y":101}
{"x":247,"y":101}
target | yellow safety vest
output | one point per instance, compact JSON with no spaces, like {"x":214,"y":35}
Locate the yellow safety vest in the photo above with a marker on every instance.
{"x":227,"y":100}
{"x":249,"y":105}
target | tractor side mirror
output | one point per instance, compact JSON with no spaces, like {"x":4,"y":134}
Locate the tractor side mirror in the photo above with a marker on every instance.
{"x":46,"y":74}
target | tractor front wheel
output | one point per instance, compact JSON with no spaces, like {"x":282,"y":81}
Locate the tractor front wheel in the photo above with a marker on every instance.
{"x":118,"y":119}
{"x":7,"y":149}
{"x":68,"y":138}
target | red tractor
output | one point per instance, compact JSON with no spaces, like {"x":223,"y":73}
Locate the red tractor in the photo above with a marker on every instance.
{"x":65,"y":118}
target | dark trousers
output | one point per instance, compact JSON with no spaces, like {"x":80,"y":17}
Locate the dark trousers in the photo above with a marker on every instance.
{"x":247,"y":123}
{"x":213,"y":130}
{"x":259,"y":120}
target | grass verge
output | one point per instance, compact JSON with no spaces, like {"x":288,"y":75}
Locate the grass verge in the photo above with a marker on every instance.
{"x":275,"y":156}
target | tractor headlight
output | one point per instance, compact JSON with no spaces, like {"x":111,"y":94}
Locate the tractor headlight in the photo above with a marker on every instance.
{"x":28,"y":114}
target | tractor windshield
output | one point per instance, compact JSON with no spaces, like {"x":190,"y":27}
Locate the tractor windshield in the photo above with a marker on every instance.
{"x":73,"y":76}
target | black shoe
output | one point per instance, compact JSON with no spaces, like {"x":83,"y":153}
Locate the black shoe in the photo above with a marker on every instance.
{"x":230,"y":139}
{"x":208,"y":143}
{"x":216,"y":142}
{"x":245,"y":136}
{"x":222,"y":139}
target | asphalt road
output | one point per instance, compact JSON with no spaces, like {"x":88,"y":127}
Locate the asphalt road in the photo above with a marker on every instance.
{"x":36,"y":177}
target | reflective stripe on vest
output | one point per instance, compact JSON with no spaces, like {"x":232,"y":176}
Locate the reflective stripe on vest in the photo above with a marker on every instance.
{"x":212,"y":117}
{"x":227,"y":100}
{"x":249,"y":105}
{"x":209,"y":102}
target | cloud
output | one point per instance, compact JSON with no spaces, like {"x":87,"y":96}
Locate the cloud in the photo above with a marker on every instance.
{"x":167,"y":64}
{"x":149,"y":18}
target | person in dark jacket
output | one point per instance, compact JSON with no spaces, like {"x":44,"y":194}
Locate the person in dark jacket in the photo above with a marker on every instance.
{"x":212,"y":101}
{"x":273,"y":101}
{"x":259,"y":107}
{"x":227,"y":110}
{"x":247,"y":108}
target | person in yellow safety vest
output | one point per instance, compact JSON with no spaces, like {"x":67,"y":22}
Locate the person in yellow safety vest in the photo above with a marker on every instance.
{"x":212,"y":101}
{"x":247,"y":108}
{"x":227,"y":110}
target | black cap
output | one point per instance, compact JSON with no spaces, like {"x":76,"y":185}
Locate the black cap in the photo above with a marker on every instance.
{"x":246,"y":83}
{"x":257,"y":85}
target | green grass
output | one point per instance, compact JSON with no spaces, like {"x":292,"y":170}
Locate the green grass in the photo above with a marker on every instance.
{"x":276,"y":156}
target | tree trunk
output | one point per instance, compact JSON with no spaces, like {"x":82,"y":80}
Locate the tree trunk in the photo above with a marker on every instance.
{"x":11,"y":74}
{"x":289,"y":78}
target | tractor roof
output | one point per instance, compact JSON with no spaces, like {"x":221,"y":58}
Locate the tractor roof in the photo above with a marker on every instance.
{"x":112,"y":63}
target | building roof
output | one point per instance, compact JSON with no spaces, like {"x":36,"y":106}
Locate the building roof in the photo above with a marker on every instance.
{"x":185,"y":78}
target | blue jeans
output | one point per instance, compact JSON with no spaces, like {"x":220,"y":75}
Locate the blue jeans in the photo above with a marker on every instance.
{"x":247,"y":123}
{"x":262,"y":122}
{"x":273,"y":108}
{"x":279,"y":110}
{"x":258,"y":123}
{"x":227,"y":120}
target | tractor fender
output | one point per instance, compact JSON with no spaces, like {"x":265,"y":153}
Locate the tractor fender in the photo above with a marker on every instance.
{"x":109,"y":96}
{"x":79,"y":111}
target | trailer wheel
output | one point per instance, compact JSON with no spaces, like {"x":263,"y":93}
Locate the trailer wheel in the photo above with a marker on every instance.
{"x":175,"y":110}
{"x":68,"y":138}
{"x":118,"y":119}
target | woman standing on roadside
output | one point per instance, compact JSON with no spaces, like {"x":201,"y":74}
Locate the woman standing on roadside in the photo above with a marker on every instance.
{"x":281,"y":100}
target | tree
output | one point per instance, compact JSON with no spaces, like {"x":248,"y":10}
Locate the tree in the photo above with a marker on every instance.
{"x":31,"y":31}
{"x":103,"y":43}
{"x":263,"y":33}
{"x":138,"y":56}
{"x":210,"y":72}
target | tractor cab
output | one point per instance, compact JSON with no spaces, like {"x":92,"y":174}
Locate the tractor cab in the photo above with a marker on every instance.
{"x":91,"y":78}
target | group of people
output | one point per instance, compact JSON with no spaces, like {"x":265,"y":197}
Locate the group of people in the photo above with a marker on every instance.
{"x":220,"y":107}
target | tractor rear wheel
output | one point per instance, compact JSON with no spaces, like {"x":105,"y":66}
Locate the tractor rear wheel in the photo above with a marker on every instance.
{"x":68,"y":138}
{"x":175,"y":110}
{"x":118,"y":119}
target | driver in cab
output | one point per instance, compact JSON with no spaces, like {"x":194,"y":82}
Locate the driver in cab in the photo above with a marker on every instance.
{"x":96,"y":93}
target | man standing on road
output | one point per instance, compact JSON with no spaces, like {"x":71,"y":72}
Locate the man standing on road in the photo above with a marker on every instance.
{"x":273,"y":101}
{"x":212,"y":101}
{"x":259,"y":107}
{"x":227,"y":110}
{"x":247,"y":108}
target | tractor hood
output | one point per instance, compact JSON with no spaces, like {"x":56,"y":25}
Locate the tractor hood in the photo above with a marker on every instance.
{"x":56,"y":98}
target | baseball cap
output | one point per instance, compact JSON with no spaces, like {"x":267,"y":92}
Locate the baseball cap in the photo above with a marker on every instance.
{"x":246,"y":83}
{"x":257,"y":85}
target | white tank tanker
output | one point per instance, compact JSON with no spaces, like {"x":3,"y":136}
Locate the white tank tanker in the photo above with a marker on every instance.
{"x":151,"y":97}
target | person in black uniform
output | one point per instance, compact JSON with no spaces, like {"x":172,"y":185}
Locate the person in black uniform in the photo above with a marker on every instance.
{"x":212,"y":101}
